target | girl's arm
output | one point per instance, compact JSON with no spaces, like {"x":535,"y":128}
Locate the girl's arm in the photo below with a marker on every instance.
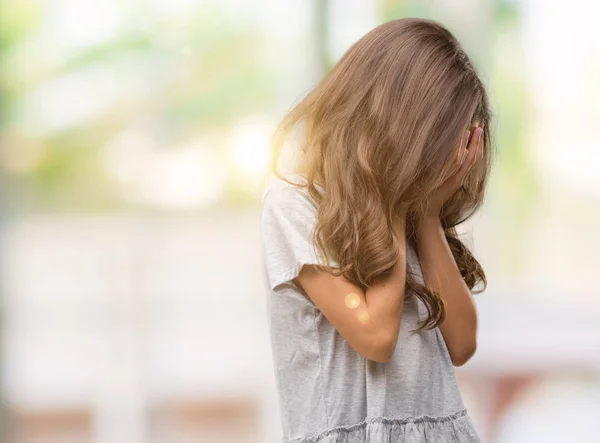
{"x":441,"y":273}
{"x":368,"y":320}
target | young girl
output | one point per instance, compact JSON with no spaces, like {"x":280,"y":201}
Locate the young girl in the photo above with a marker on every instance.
{"x":370,"y":299}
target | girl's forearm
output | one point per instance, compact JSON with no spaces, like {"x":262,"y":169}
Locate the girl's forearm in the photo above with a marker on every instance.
{"x":441,"y":274}
{"x":385,"y":297}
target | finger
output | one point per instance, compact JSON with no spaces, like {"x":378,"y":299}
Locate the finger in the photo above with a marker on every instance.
{"x":473,"y":152}
{"x":472,"y":148}
{"x":481,"y":143}
{"x":474,"y":138}
{"x":462,"y":152}
{"x":470,"y":143}
{"x":479,"y":149}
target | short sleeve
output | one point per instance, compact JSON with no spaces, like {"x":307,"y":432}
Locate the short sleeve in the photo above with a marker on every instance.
{"x":288,"y":219}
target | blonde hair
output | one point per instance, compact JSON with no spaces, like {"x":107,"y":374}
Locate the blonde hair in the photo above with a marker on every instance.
{"x":381,"y":131}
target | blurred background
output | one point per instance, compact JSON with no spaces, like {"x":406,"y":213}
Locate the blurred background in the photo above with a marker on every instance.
{"x":133,"y":148}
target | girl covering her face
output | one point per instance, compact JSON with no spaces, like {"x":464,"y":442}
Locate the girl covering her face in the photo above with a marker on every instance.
{"x":370,"y":301}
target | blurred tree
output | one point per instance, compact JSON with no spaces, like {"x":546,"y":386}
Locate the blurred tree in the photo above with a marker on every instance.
{"x":394,"y":9}
{"x":177,"y":78}
{"x":514,"y":188}
{"x":322,"y":34}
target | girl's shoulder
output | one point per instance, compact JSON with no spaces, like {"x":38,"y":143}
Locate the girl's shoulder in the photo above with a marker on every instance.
{"x":281,"y":192}
{"x":288,"y":210}
{"x":288,"y":218}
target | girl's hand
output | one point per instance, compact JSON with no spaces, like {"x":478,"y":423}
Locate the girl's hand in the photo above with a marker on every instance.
{"x":468,"y":156}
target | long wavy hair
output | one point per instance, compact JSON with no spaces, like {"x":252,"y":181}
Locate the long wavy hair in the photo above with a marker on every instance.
{"x":381,"y":132}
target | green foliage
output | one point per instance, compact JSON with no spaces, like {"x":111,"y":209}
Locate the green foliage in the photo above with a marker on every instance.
{"x":394,"y":9}
{"x":206,"y":71}
{"x":109,"y":50}
{"x":18,"y":20}
{"x":505,"y":12}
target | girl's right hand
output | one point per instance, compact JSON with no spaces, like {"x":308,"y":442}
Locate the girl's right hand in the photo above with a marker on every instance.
{"x":467,"y":157}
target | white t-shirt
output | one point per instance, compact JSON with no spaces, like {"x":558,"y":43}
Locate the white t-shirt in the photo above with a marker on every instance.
{"x":327,"y":392}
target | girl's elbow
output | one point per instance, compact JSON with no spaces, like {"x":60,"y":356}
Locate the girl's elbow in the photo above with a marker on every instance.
{"x":460,"y":356}
{"x":381,"y":355}
{"x":382,"y":348}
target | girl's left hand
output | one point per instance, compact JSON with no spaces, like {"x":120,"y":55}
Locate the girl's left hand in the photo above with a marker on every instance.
{"x":468,"y":156}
